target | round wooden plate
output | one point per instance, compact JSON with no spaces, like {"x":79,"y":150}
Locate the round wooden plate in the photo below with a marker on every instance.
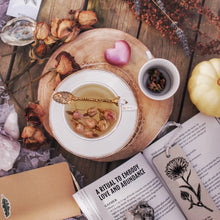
{"x":88,"y":49}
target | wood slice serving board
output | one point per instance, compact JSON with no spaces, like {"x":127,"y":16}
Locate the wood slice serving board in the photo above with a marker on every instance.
{"x":88,"y":50}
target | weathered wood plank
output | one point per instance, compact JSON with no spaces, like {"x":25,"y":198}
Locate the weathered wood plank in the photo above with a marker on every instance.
{"x":114,"y":14}
{"x":188,"y":108}
{"x":51,"y":9}
{"x":89,"y":169}
{"x":5,"y":57}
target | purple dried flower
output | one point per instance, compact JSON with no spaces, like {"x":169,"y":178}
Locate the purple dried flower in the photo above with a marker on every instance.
{"x":182,"y":37}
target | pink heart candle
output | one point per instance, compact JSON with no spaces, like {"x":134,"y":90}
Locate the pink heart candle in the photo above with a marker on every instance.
{"x":120,"y":54}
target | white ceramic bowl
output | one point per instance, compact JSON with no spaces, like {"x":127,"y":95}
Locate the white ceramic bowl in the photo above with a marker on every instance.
{"x":172,"y":78}
{"x":93,"y":148}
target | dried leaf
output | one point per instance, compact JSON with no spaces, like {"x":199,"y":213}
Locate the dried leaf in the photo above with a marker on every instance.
{"x":6,"y":206}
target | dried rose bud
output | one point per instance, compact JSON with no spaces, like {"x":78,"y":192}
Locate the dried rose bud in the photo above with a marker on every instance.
{"x":64,"y":29}
{"x":42,"y":30}
{"x":79,"y":128}
{"x":33,"y":138}
{"x":89,"y":122}
{"x":66,"y":64}
{"x":109,"y":115}
{"x":102,"y":125}
{"x":34,"y":113}
{"x":90,"y":134}
{"x":41,"y":50}
{"x":77,"y":115}
{"x":91,"y":111}
{"x":87,"y":18}
{"x":72,"y":35}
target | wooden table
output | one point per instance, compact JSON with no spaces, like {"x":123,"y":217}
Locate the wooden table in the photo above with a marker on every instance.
{"x":111,"y":14}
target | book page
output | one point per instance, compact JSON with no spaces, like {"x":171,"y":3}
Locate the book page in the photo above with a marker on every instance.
{"x":199,"y":138}
{"x":120,"y":190}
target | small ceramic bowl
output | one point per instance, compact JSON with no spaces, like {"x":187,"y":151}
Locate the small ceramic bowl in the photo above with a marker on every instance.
{"x":168,"y":72}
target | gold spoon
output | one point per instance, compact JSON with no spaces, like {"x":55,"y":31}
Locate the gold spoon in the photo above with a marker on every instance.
{"x":67,"y":98}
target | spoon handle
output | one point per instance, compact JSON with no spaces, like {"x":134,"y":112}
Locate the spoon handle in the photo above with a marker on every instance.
{"x":114,"y":101}
{"x":67,"y":98}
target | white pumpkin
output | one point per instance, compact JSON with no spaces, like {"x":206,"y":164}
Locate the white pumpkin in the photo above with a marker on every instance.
{"x":204,"y":87}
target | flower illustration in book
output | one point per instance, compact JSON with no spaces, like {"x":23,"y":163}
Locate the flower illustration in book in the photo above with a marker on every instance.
{"x":177,"y":169}
{"x":5,"y":206}
{"x":142,"y":210}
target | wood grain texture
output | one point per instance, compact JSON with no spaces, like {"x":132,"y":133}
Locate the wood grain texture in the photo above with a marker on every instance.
{"x":51,"y":9}
{"x":206,"y":27}
{"x":114,"y":14}
{"x":5,"y":57}
{"x":88,"y":49}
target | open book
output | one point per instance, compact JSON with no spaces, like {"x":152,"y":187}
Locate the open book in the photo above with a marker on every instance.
{"x":115,"y":195}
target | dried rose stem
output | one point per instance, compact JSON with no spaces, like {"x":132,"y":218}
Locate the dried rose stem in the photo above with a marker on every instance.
{"x":34,"y":80}
{"x":27,"y":66}
{"x":30,"y":85}
{"x":8,"y":54}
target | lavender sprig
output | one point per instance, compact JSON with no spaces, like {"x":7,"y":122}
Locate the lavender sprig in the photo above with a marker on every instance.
{"x":137,"y":7}
{"x":161,"y":5}
{"x":182,"y":37}
{"x":179,"y":32}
